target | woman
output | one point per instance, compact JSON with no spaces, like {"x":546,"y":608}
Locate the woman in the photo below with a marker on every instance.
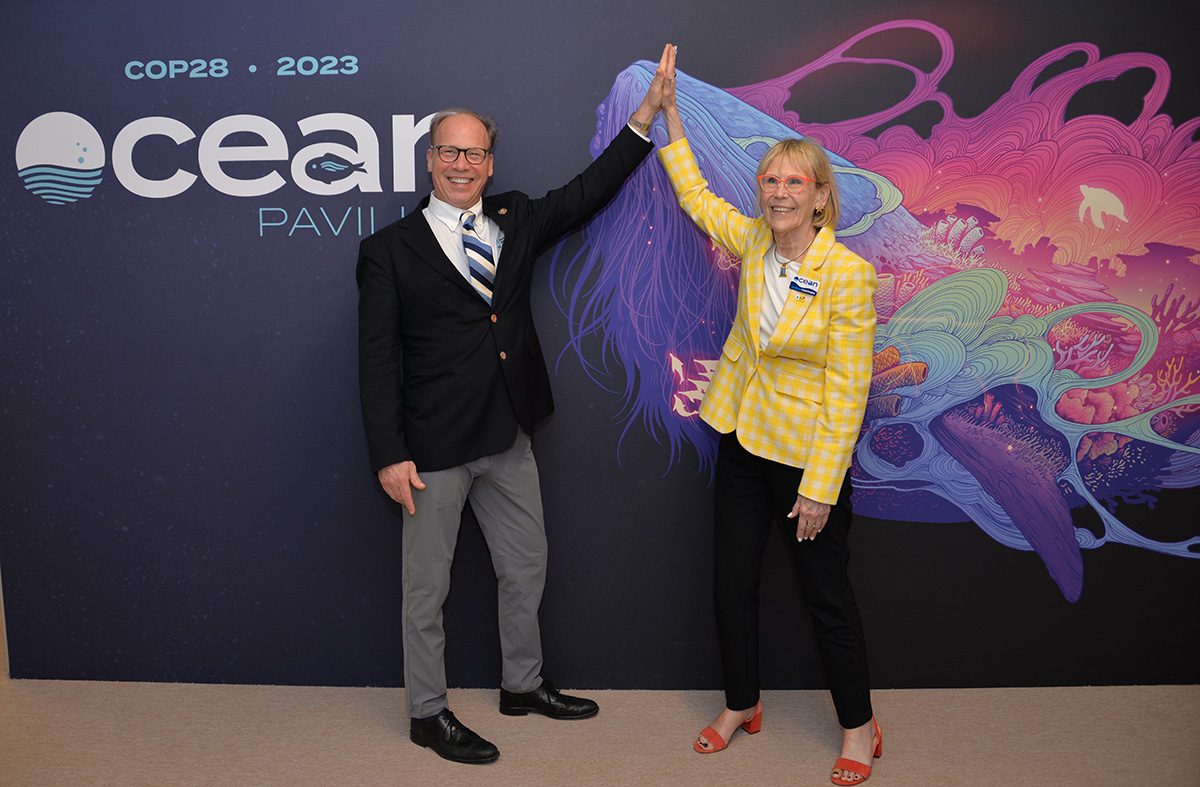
{"x":788,"y":397}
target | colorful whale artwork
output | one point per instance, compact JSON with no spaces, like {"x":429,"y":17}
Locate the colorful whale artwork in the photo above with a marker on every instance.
{"x":1038,"y":347}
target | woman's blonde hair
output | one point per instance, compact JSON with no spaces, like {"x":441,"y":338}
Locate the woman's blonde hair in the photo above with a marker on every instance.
{"x":812,"y":154}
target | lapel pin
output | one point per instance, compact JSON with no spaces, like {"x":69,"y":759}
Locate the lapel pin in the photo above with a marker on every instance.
{"x":502,"y":211}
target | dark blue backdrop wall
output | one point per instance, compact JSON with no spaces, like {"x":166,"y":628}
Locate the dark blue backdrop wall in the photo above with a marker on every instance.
{"x":186,"y":492}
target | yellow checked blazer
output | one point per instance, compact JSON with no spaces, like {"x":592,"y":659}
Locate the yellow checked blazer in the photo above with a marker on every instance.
{"x":800,"y":399}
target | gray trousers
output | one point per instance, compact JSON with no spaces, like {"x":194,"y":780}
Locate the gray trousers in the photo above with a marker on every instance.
{"x":504,"y":494}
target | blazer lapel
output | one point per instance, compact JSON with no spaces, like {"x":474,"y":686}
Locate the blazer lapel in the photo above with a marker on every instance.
{"x":753,"y":267}
{"x":420,"y":238}
{"x":797,"y":304}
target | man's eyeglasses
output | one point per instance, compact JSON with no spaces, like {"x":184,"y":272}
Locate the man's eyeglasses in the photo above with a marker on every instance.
{"x":450,"y":153}
{"x":794,"y":184}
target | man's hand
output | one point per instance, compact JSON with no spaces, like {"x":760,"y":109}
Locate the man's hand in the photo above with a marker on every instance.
{"x":398,"y":481}
{"x":810,"y":517}
{"x":653,"y":101}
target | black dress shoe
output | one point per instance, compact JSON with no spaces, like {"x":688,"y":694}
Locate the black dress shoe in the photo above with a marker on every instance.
{"x":546,"y":700}
{"x":451,"y":739}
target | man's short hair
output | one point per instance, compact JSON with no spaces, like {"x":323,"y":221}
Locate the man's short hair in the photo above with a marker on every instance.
{"x":489,"y":125}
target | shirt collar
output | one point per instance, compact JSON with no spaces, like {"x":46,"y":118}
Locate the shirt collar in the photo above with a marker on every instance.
{"x":448,"y":214}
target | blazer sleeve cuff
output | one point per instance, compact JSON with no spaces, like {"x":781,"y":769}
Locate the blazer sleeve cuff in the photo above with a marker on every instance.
{"x":391,"y":453}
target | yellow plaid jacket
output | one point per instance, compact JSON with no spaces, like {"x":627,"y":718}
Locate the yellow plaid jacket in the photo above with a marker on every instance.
{"x":800,"y":399}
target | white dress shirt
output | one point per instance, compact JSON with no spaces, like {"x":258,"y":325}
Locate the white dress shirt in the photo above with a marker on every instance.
{"x":446,"y":222}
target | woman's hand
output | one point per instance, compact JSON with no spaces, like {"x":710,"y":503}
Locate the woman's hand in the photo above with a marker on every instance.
{"x":653,"y":100}
{"x":667,"y":101}
{"x":670,"y":109}
{"x":810,"y":517}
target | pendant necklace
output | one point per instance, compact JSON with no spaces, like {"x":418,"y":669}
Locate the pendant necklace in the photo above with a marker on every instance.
{"x":783,"y":262}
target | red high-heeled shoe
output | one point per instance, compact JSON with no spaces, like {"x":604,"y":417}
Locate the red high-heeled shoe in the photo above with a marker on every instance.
{"x":750,"y":725}
{"x":854,"y":766}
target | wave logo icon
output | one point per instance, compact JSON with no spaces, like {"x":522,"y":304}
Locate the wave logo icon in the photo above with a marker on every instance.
{"x":60,"y":158}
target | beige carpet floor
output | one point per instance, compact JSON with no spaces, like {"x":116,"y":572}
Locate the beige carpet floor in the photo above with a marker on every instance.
{"x":95,"y":733}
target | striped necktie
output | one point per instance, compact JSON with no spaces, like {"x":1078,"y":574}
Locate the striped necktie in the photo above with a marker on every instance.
{"x":479,"y":258}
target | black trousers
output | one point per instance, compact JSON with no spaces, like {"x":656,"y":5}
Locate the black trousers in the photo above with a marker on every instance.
{"x":751,"y":494}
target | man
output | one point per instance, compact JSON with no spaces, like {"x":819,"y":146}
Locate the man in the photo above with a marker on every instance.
{"x":453,"y":383}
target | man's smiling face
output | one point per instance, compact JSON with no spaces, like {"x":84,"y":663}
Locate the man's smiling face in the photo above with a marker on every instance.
{"x":459,"y":183}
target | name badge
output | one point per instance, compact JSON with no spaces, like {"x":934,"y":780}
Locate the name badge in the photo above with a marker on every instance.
{"x":804,"y":285}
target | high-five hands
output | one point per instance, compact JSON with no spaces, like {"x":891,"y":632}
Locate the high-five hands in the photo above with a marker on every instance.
{"x":664,"y":75}
{"x":669,"y":108}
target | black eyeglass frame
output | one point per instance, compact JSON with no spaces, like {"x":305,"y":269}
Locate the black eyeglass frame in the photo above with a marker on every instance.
{"x":479,"y":153}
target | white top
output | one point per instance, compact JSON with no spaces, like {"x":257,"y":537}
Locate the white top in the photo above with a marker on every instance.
{"x":446,"y":222}
{"x":775,"y":292}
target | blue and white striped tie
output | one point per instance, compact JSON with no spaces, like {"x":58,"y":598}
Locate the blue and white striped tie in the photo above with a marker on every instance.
{"x":479,"y":258}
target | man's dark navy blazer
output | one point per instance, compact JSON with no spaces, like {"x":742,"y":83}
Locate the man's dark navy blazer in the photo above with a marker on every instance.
{"x":445,"y":378}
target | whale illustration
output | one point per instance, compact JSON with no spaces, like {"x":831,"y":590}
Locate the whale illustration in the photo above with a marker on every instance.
{"x":963,"y":420}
